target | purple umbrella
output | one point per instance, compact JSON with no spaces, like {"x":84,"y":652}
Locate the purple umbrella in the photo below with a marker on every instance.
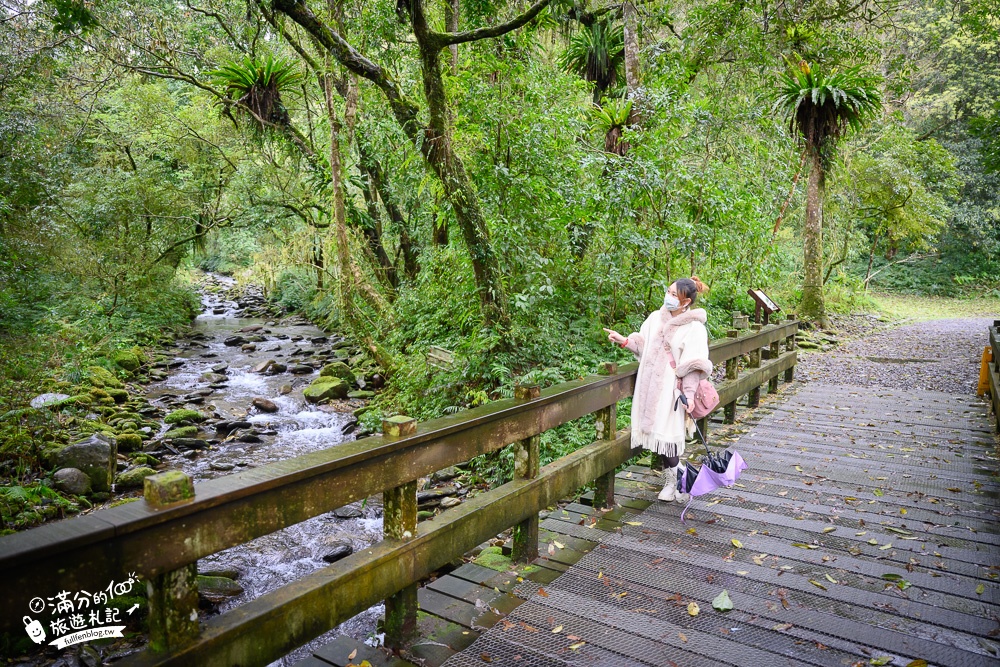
{"x":717,"y":470}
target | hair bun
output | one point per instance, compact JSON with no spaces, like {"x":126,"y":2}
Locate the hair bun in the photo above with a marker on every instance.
{"x":700,"y":286}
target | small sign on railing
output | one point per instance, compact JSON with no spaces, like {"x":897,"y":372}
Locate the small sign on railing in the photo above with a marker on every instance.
{"x":764,"y":305}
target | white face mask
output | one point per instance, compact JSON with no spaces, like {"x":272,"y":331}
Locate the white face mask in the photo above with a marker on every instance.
{"x":670,"y":302}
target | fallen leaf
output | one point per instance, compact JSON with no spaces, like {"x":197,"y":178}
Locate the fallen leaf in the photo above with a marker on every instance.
{"x":528,"y":627}
{"x":693,"y":608}
{"x":881,"y":660}
{"x":558,"y":544}
{"x":682,"y":636}
{"x":782,"y":626}
{"x":782,"y":493}
{"x":600,"y":575}
{"x":692,"y":531}
{"x":572,"y":638}
{"x":558,"y":628}
{"x":736,"y":543}
{"x":873,"y":541}
{"x":817,"y":584}
{"x":485,"y":657}
{"x":831,"y":579}
{"x":885,"y":546}
{"x":799,"y":468}
{"x":801,"y":545}
{"x":980,"y":589}
{"x":898,"y":531}
{"x":919,"y":662}
{"x":829,"y":529}
{"x":742,"y":573}
{"x":759,"y":560}
{"x":573,"y":647}
{"x":351,"y":655}
{"x":541,"y":591}
{"x":633,"y":523}
{"x":955,"y":489}
{"x":878,"y":492}
{"x":722,"y":602}
{"x":863,"y":532}
{"x":552,"y":550}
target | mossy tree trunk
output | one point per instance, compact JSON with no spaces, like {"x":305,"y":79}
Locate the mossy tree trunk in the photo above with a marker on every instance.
{"x":433,"y":140}
{"x":812,"y":306}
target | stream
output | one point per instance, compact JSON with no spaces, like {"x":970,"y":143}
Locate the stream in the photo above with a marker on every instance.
{"x":205,"y":373}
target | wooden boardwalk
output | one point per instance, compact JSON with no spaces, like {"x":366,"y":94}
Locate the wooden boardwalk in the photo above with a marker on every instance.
{"x":865,"y":532}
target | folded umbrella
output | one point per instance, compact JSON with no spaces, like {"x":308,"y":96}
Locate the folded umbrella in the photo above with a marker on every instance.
{"x":717,"y":469}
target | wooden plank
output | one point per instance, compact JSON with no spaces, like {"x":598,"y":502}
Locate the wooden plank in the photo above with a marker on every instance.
{"x":455,"y":610}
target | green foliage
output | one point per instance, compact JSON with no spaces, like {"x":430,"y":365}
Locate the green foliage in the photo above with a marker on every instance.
{"x":597,"y":53}
{"x":823,"y":106}
{"x":257,"y":85}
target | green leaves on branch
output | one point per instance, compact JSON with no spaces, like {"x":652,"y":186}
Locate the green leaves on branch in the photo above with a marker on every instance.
{"x":597,"y":53}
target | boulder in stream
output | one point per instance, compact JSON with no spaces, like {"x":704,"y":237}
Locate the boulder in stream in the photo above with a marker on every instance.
{"x":44,"y":400}
{"x":133,"y":479}
{"x":337,"y":550}
{"x":325,"y":388}
{"x":233,"y":341}
{"x":338,"y":369}
{"x":265,"y":405}
{"x":217,"y":589}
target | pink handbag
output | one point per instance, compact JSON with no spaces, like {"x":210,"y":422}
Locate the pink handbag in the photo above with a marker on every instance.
{"x":705,"y":399}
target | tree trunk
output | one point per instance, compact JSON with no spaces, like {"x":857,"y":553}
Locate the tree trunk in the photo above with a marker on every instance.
{"x":373,"y":170}
{"x":631,"y":47}
{"x":440,"y":154}
{"x":373,"y":231}
{"x":812,"y":306}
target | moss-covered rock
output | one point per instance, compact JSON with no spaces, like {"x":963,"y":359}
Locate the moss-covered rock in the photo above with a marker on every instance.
{"x":99,"y":393}
{"x":132,"y":479}
{"x":493,"y":558}
{"x":141,"y":458}
{"x":182,"y":432}
{"x":102,"y":377}
{"x":129,"y":442}
{"x":340,"y":370}
{"x":120,"y":395}
{"x":184,"y":415}
{"x":325,"y":388}
{"x":128,"y":360}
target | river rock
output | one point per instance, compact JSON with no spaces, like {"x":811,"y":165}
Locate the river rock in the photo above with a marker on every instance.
{"x":96,"y":457}
{"x":217,"y":589}
{"x":285,"y":389}
{"x":233,"y":341}
{"x":450,"y":472}
{"x":264,"y":405}
{"x":347,"y":512}
{"x":127,"y":360}
{"x":251,"y":438}
{"x":252,"y":328}
{"x":433,"y":494}
{"x":450,"y":502}
{"x":220,"y":368}
{"x":301,"y":369}
{"x":249,"y":347}
{"x":338,"y":550}
{"x":340,"y":370}
{"x":43,"y":400}
{"x":132,"y":479}
{"x":190,"y":443}
{"x":360,"y":393}
{"x":72,"y":481}
{"x":129,"y":442}
{"x":325,"y":388}
{"x":222,"y":467}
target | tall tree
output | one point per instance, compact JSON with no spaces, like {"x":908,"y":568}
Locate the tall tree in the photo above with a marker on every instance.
{"x":433,"y":138}
{"x":821,"y":108}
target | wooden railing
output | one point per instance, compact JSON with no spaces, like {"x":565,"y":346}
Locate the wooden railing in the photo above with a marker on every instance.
{"x":994,"y":372}
{"x":162,"y":543}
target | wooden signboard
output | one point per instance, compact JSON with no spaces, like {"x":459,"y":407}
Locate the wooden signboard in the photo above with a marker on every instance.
{"x":764,"y":305}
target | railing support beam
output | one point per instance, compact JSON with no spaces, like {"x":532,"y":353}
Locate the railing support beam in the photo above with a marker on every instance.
{"x":607,"y":428}
{"x":399,"y":522}
{"x":753,"y":398}
{"x":173,"y":595}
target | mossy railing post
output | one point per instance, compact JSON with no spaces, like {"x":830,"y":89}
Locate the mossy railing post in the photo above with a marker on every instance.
{"x":607,"y":427}
{"x":399,"y":522}
{"x":173,"y":596}
{"x":526,"y":461}
{"x":789,"y":346}
{"x":773,"y":353}
{"x":753,"y":398}
{"x":732,"y":372}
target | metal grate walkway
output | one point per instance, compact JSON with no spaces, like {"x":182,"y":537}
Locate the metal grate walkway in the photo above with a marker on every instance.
{"x":865,"y":532}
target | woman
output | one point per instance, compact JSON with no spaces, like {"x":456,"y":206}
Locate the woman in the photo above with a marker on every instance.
{"x":672,"y":344}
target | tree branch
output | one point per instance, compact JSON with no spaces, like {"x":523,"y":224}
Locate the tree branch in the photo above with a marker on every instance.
{"x":443,"y":39}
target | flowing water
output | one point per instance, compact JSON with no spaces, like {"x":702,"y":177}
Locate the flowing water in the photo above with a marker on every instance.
{"x":296,"y":428}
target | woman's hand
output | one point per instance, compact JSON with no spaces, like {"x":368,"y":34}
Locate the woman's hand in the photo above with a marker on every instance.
{"x":615,"y":337}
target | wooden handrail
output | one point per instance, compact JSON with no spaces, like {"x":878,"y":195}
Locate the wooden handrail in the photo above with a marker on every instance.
{"x":994,"y":373}
{"x":83,"y":552}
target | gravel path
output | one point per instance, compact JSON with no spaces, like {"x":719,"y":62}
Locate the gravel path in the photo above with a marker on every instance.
{"x":940,"y":355}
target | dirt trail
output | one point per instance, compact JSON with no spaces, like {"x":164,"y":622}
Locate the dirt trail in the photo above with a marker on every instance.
{"x":939,"y":355}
